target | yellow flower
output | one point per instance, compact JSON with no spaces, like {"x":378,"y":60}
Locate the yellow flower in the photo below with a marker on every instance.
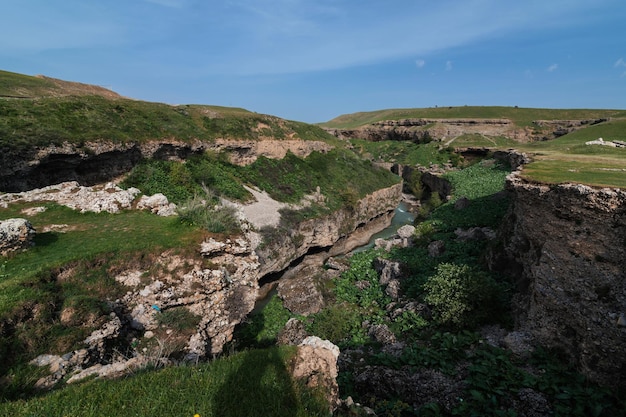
{"x":196,"y":415}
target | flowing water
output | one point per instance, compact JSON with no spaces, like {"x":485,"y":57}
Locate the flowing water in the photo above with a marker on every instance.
{"x":401,"y":217}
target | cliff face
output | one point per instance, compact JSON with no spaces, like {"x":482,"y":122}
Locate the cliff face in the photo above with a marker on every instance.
{"x":423,"y":130}
{"x":566,"y":247}
{"x":99,"y":162}
{"x":328,"y":231}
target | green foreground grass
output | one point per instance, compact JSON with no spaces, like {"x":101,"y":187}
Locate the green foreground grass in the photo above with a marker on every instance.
{"x":249,"y":383}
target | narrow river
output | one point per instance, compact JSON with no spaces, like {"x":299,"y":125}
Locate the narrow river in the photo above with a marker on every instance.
{"x":401,"y":217}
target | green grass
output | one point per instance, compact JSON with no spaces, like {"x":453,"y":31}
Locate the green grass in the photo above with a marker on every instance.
{"x":401,"y":152}
{"x":482,"y":141}
{"x":340,"y":174}
{"x":27,"y":123}
{"x":569,"y":159}
{"x":254,"y":382}
{"x":88,"y":236}
{"x":87,"y":255}
{"x":520,"y":116}
{"x":18,"y":85}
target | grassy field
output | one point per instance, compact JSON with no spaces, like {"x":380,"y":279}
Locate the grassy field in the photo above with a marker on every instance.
{"x":254,"y":382}
{"x":569,"y":159}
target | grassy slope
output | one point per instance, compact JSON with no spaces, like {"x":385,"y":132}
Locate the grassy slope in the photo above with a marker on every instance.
{"x":54,"y":111}
{"x":222,"y":388}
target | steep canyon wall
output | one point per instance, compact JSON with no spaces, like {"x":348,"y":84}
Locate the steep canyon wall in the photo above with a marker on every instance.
{"x":566,"y":247}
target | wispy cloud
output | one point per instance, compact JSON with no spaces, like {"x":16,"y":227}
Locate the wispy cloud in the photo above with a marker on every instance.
{"x":419,"y":63}
{"x":448,"y":65}
{"x":620,"y":63}
{"x":552,"y":68}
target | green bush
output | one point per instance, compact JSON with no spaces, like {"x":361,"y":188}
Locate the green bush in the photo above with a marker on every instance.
{"x":340,"y":323}
{"x":201,"y":212}
{"x":424,"y":232}
{"x":178,"y":318}
{"x":461,"y":296}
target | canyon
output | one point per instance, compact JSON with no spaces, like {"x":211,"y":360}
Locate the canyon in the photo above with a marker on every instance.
{"x":447,"y":130}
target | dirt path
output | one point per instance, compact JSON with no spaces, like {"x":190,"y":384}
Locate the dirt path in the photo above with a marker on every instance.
{"x":264,"y":211}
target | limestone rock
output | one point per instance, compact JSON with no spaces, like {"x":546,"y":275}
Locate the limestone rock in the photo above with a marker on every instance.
{"x":415,"y":387}
{"x":15,"y":235}
{"x":406,"y":231}
{"x":461,"y":203}
{"x":316,"y":365}
{"x":157,"y":204}
{"x":382,"y":334}
{"x":387,"y":270}
{"x":475,"y":233}
{"x":102,"y":198}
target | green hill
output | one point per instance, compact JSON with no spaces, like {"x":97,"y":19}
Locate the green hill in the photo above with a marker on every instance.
{"x":520,"y":116}
{"x":41,"y":111}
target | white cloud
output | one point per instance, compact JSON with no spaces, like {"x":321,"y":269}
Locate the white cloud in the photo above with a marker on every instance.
{"x":419,"y":63}
{"x":448,"y":65}
{"x":620,"y":63}
{"x":552,"y":68}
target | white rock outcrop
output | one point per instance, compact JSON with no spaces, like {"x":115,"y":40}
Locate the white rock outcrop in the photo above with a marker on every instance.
{"x":15,"y":235}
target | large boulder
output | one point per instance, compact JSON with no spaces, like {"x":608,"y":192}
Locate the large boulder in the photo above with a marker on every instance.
{"x":316,"y":365}
{"x":15,"y":235}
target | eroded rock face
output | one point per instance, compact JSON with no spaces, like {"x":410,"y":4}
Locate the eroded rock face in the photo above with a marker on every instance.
{"x":565,"y":244}
{"x":98,"y":162}
{"x":446,"y":130}
{"x":15,"y":235}
{"x":327,"y":231}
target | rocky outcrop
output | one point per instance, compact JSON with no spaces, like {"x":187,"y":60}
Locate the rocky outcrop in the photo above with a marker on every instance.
{"x":246,"y":152}
{"x":316,"y":366}
{"x":92,"y":163}
{"x":331,"y":232}
{"x":145,"y":327}
{"x":98,"y":198}
{"x":15,"y":235}
{"x":565,"y":246}
{"x":446,"y":130}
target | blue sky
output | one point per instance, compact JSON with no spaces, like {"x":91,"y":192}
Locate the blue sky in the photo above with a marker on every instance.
{"x":312,"y":60}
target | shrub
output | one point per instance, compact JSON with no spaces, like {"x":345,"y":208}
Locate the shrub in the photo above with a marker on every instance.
{"x":178,"y":318}
{"x":461,"y":296}
{"x":415,"y":184}
{"x":340,"y":324}
{"x":200,"y":212}
{"x":424,"y":232}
